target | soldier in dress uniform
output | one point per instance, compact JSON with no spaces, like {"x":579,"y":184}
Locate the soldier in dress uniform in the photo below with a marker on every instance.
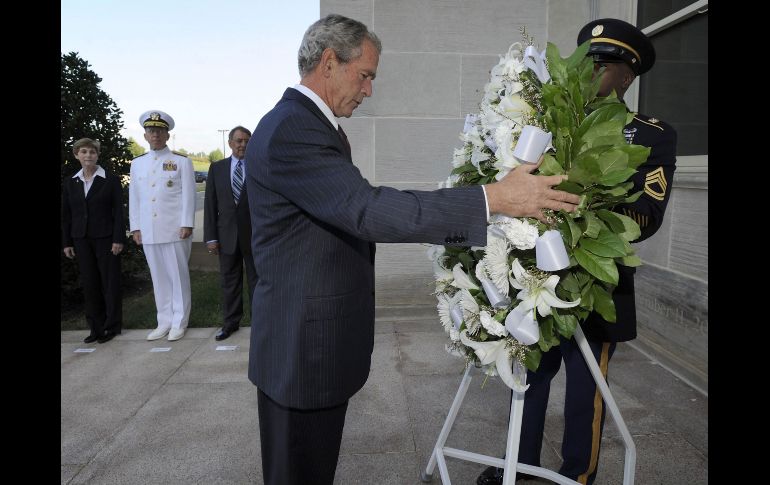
{"x":162,"y":215}
{"x":620,"y":52}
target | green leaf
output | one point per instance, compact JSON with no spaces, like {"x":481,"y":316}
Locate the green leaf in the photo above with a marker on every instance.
{"x":468,"y":167}
{"x":578,"y":56}
{"x":614,"y":111}
{"x":606,"y":244}
{"x":467,"y":261}
{"x":633,"y":197}
{"x":548,"y":338}
{"x":632,"y":261}
{"x":556,"y":65}
{"x":637,"y":154}
{"x":593,"y":225}
{"x":602,"y":268}
{"x":630,"y":230}
{"x":550,"y":166}
{"x":574,"y":230}
{"x":616,"y":176}
{"x":532,"y":359}
{"x":612,"y":220}
{"x":565,"y":324}
{"x":570,"y":283}
{"x":603,"y":303}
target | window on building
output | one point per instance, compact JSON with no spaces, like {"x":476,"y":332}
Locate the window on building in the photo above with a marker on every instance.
{"x":676,"y":89}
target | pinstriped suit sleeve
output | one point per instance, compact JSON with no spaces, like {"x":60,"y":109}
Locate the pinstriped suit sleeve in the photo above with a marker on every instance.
{"x":315,"y":175}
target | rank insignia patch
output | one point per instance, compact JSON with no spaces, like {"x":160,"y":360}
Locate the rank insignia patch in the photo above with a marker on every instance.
{"x":629,"y":133}
{"x":655,"y":184}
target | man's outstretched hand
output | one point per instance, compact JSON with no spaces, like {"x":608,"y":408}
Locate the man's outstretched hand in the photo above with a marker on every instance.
{"x":521,"y":194}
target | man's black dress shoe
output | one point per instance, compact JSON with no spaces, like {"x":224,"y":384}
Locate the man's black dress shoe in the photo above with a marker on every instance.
{"x":494,"y":476}
{"x":225,"y":332}
{"x":90,"y":338}
{"x":108,"y":335}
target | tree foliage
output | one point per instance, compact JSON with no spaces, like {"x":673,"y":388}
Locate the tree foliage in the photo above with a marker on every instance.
{"x":88,"y":111}
{"x":216,"y":155}
{"x":135,"y":148}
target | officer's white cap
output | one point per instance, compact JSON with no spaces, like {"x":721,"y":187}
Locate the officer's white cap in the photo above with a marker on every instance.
{"x":156,"y":117}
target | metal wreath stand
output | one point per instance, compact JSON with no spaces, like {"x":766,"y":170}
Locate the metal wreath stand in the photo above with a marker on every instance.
{"x":510,"y":465}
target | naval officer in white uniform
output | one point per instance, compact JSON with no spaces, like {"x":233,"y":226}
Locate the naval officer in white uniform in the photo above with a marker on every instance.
{"x":162,"y":214}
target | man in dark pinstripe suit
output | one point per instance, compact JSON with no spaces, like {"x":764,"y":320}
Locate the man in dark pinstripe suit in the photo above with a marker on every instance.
{"x":315,"y":220}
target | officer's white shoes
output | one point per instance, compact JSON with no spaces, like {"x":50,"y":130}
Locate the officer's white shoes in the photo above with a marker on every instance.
{"x":175,"y":334}
{"x":157,"y":333}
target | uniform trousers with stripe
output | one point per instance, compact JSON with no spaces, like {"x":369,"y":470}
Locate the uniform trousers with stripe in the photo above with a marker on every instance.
{"x":169,"y":268}
{"x":299,"y":446}
{"x":584,"y":409}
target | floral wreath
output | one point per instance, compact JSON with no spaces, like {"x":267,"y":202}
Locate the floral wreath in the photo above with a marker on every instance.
{"x":505,"y":304}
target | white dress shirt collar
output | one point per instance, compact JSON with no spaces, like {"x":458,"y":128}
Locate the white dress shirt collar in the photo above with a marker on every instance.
{"x":99,"y":172}
{"x":325,"y":109}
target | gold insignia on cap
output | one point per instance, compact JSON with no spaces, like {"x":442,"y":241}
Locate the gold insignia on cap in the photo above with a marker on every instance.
{"x":655,"y":184}
{"x":154,"y":116}
{"x":597,"y":30}
{"x":653,"y":120}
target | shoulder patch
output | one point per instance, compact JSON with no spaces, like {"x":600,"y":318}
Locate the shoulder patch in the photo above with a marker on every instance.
{"x":140,"y":156}
{"x":655,"y":184}
{"x":180,"y":154}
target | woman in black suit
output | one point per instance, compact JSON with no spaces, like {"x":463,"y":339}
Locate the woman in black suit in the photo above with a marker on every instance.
{"x":93,"y":229}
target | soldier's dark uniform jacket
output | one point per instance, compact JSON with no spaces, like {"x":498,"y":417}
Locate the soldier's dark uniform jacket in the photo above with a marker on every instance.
{"x":654,"y":177}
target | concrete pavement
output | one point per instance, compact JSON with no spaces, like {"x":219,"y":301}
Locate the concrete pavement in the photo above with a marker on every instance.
{"x":130,"y":415}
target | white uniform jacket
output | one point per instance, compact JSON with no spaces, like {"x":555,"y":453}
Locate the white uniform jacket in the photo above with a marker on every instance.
{"x":161,"y":195}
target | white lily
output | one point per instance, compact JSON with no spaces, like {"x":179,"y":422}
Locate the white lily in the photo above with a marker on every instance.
{"x":538,"y":290}
{"x":461,"y":279}
{"x":495,"y":352}
{"x":470,"y":310}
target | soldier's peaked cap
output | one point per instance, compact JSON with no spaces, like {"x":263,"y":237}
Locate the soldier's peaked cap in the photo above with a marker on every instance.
{"x":614,"y":40}
{"x":158,"y":118}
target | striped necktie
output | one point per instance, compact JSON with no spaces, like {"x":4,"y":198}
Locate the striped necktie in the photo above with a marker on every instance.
{"x":237,"y":181}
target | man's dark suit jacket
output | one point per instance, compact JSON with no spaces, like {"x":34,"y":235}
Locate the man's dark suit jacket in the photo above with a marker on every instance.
{"x":314,"y":218}
{"x":223,"y":220}
{"x":97,"y":216}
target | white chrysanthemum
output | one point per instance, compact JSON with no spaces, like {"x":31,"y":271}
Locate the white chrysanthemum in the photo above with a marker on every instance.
{"x":444,"y":309}
{"x":491,"y":325}
{"x":470,"y":311}
{"x":459,"y":157}
{"x":496,"y":262}
{"x":518,"y":232}
{"x":537,"y":291}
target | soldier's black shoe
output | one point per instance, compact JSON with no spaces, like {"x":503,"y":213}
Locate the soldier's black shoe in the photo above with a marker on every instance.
{"x":491,"y":476}
{"x":494,"y":476}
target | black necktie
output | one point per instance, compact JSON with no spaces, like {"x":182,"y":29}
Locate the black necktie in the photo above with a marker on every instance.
{"x":344,"y":139}
{"x":237,"y":181}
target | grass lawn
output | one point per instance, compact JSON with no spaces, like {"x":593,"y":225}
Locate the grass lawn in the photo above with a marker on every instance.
{"x":139,"y":308}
